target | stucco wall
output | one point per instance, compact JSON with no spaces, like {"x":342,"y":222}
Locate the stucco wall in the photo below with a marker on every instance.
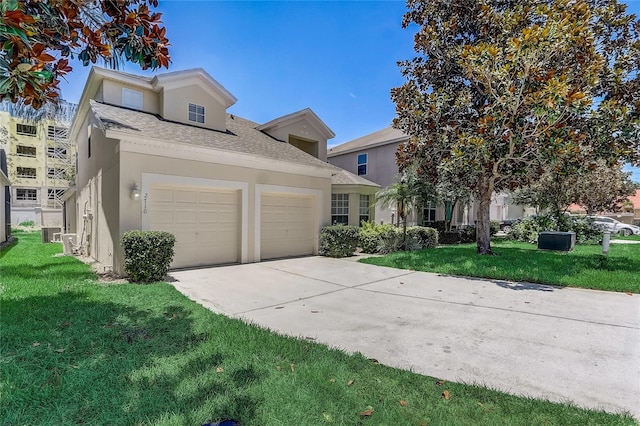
{"x":381,"y":163}
{"x":111,"y":92}
{"x":97,"y":200}
{"x":133,"y":165}
{"x":176,"y":107}
{"x":304,"y":130}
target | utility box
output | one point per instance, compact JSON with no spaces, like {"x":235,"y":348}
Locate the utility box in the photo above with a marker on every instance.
{"x":558,"y":241}
{"x":47,"y":234}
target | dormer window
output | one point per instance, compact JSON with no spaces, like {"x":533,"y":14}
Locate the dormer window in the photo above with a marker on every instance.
{"x":196,"y":113}
{"x":131,"y":98}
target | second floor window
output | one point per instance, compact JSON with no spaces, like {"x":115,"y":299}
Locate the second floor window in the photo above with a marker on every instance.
{"x":196,"y":113}
{"x":132,"y":98}
{"x":362,"y":164}
{"x":26,"y":130}
{"x":26,"y":151}
{"x":340,"y":208}
{"x":26,"y":172}
{"x":25,"y":194}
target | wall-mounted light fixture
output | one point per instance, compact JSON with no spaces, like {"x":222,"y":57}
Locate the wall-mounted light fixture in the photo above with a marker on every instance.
{"x":135,"y":192}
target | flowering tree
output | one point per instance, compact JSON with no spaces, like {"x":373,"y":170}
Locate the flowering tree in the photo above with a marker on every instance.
{"x":37,"y":39}
{"x":500,"y":89}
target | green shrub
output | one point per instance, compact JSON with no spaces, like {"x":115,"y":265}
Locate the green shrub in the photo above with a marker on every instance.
{"x":27,"y":223}
{"x":372,"y":234}
{"x":390,"y":241}
{"x":147,"y":254}
{"x":528,"y":229}
{"x":459,"y":236}
{"x":494,"y":227}
{"x":338,"y":240}
{"x":424,"y":237}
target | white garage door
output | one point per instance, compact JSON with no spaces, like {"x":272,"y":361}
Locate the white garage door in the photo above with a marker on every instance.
{"x":206,"y":223}
{"x":287,"y":226}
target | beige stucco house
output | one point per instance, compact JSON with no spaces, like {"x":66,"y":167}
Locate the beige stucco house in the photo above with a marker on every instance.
{"x":373,"y":157}
{"x":162,"y":153}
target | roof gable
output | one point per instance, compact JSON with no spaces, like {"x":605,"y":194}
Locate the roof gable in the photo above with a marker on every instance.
{"x":306,"y":115}
{"x":381,"y":137}
{"x":196,"y":76}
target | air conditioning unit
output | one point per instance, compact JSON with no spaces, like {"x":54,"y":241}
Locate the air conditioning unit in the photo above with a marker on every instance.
{"x":69,"y":242}
{"x":47,"y":234}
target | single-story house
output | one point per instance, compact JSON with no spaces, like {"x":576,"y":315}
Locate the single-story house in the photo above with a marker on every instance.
{"x":163,"y":153}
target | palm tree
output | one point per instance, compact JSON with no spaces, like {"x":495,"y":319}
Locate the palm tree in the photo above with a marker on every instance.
{"x":402,"y":195}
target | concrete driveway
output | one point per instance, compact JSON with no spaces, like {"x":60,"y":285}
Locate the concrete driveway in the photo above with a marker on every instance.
{"x":567,"y":345}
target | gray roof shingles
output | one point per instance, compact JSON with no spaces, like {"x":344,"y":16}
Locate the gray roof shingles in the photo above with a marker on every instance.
{"x":241,"y":136}
{"x":388,"y":134}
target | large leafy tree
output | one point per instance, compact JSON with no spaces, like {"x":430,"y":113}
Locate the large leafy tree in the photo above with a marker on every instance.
{"x":500,"y":89}
{"x":604,"y":189}
{"x":38,"y":37}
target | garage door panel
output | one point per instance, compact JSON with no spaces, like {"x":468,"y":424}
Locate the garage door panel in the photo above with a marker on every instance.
{"x":286,"y":225}
{"x":205,"y":221}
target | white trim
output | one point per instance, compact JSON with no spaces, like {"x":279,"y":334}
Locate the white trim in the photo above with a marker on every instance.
{"x":307,"y":115}
{"x":176,"y":150}
{"x":331,"y":154}
{"x":285,"y":190}
{"x":150,"y":179}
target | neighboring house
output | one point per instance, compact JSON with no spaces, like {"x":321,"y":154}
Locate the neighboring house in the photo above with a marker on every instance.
{"x":41,"y":160}
{"x":162,"y":153}
{"x":374,"y":157}
{"x":5,"y":200}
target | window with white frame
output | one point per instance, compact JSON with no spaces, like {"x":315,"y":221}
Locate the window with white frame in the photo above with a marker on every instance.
{"x":364,"y":208}
{"x":57,"y":132}
{"x":26,"y":172}
{"x":196,"y":113}
{"x":26,"y":194}
{"x":429,"y":212}
{"x":340,"y":208}
{"x":26,"y":130}
{"x":56,"y":152}
{"x":132,"y":98}
{"x":55,"y":194}
{"x":362,"y":164}
{"x":26,"y":151}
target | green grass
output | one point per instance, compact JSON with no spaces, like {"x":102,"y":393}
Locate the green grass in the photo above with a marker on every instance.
{"x":630,"y":238}
{"x":76,"y":351}
{"x":584,"y":267}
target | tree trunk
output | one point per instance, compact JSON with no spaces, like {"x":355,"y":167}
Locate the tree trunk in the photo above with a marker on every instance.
{"x":483,"y":219}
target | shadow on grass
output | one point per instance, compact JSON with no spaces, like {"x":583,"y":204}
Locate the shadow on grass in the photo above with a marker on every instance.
{"x":76,"y":361}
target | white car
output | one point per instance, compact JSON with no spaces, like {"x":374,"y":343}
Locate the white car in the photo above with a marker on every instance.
{"x":615,"y":227}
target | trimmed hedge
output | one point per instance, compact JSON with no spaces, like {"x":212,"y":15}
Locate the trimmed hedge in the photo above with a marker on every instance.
{"x":338,"y":240}
{"x":386,"y":238}
{"x":423,"y":236}
{"x":147,"y":255}
{"x":371,"y":236}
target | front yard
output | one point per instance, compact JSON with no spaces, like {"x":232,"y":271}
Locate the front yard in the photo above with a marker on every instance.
{"x":584,"y":267}
{"x":78,"y":351}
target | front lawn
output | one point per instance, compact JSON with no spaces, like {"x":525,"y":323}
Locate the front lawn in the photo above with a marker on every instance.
{"x":77,"y":351}
{"x":584,"y":267}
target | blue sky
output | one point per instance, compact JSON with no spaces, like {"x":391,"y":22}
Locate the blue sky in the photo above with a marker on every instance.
{"x":277,"y":57}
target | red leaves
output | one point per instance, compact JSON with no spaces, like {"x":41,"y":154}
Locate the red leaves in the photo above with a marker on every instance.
{"x":35,"y":47}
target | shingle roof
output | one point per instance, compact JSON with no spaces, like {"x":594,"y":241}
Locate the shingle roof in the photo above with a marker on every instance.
{"x":242,"y":135}
{"x":343,"y":177}
{"x":380,"y":137}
